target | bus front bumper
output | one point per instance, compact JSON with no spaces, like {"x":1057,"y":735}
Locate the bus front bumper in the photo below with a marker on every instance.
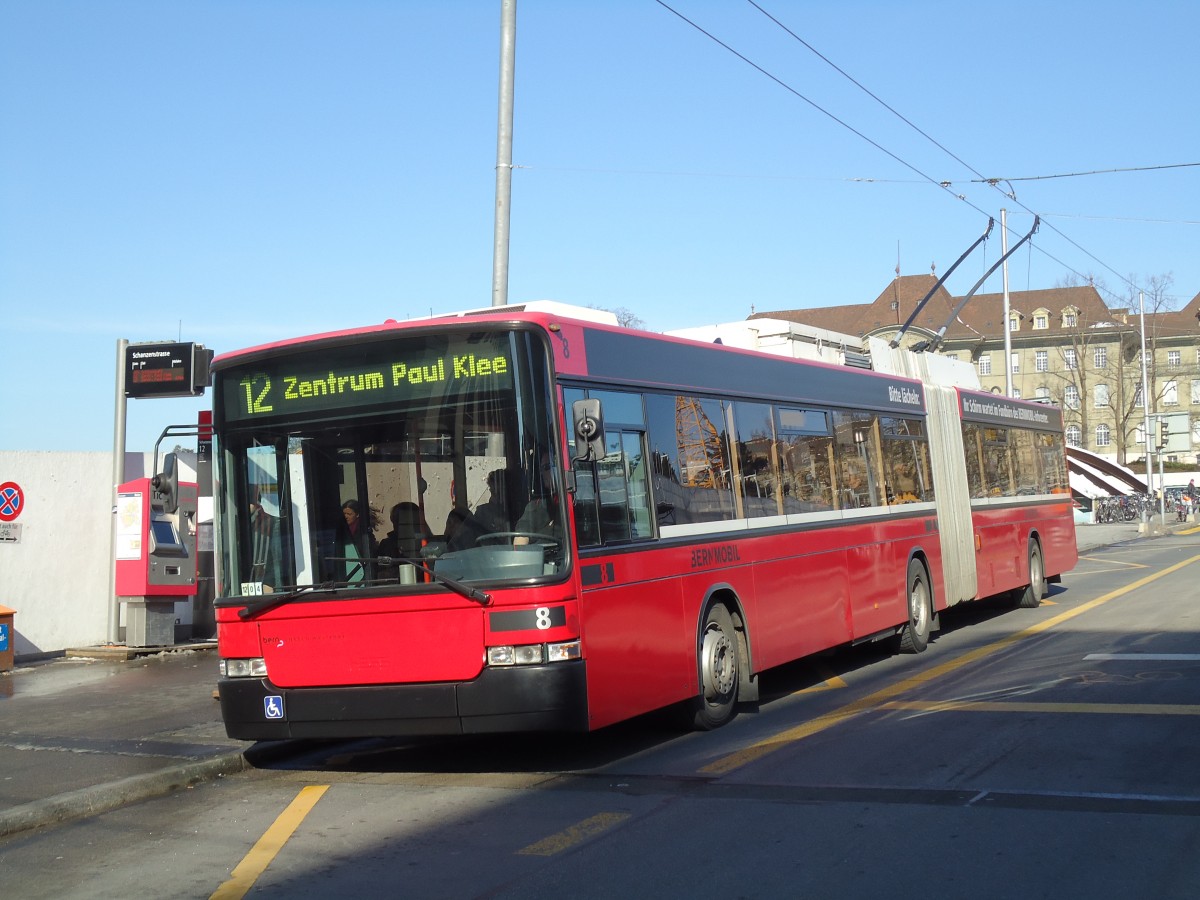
{"x":519,"y":698}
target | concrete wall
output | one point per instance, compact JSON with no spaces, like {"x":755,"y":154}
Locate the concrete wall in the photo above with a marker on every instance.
{"x":57,"y":575}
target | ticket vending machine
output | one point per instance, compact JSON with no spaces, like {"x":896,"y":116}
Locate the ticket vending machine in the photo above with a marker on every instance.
{"x":156,"y":553}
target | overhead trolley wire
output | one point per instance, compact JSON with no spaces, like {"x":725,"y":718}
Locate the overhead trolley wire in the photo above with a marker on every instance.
{"x":787,"y":87}
{"x":981,"y":178}
{"x":945,"y":185}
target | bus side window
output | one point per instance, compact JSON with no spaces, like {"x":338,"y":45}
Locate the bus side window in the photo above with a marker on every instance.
{"x":623,"y":489}
{"x":587,"y":517}
{"x":857,"y":437}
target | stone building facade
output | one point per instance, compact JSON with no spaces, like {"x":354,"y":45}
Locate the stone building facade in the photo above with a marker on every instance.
{"x":1065,"y":346}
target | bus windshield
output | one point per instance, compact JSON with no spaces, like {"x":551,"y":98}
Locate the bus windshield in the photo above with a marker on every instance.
{"x":393,"y":460}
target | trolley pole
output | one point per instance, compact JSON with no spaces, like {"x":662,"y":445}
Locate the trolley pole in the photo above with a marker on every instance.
{"x":504,"y":140}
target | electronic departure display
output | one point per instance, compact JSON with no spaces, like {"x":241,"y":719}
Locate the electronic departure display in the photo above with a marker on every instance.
{"x":365,"y":375}
{"x":166,"y":370}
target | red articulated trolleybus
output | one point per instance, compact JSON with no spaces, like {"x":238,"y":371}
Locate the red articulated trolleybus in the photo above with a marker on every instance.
{"x":527,"y":518}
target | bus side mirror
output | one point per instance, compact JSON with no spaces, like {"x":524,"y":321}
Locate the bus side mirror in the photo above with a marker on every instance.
{"x":589,"y":430}
{"x":166,"y":485}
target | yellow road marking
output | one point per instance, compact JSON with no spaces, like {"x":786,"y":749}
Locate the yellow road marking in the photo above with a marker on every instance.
{"x":1123,"y":709}
{"x":576,"y":834}
{"x":762,"y":748}
{"x":261,"y":855}
{"x":1117,"y":564}
{"x":829,"y":682}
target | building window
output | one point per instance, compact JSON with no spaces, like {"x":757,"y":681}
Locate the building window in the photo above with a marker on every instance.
{"x":1014,"y":322}
{"x":1071,"y":396}
{"x":1069,"y":318}
{"x":1074,"y":435}
{"x":1041,"y":320}
{"x":1170,"y":394}
{"x":1103,"y":438}
{"x":1195,"y":392}
{"x":1016,"y":362}
{"x":1070,"y":359}
{"x":985,"y":364}
{"x":1100,"y":357}
{"x":1041,"y":360}
{"x":1016,"y":393}
{"x":1042,"y":393}
{"x":1174,"y":359}
{"x":1101,"y":396}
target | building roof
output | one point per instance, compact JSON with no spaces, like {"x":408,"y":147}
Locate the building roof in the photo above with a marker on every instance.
{"x":983,"y":314}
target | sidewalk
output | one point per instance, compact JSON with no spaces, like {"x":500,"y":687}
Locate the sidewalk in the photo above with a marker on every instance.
{"x":79,"y":736}
{"x":1089,"y":537}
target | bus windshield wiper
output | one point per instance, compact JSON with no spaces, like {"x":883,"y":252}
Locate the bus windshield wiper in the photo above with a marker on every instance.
{"x":483,"y":598}
{"x":271,"y":601}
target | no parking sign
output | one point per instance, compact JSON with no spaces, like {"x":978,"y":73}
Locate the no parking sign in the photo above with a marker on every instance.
{"x":12,"y":501}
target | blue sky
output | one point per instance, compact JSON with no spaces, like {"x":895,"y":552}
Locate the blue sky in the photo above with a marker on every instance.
{"x":236,"y":171}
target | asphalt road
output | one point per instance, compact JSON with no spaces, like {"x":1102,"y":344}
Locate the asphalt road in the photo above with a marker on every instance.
{"x":1028,"y":753}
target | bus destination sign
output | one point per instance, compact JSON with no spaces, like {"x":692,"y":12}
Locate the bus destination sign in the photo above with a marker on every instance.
{"x":283,"y":387}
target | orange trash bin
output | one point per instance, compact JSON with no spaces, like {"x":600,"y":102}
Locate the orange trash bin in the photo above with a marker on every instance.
{"x":8,"y":639}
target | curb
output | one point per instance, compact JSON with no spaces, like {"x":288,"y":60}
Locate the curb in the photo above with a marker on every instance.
{"x":107,"y":797}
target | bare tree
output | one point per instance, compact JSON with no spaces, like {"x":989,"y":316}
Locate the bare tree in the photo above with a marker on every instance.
{"x":625,"y":318}
{"x":1079,"y":337}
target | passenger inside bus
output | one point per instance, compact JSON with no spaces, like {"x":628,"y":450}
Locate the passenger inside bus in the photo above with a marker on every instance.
{"x":494,"y":513}
{"x":408,"y":536}
{"x":538,"y":517}
{"x":355,"y":541}
{"x":463,"y":530}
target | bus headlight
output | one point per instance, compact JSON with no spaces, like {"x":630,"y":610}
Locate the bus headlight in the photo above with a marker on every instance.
{"x":243,"y":668}
{"x":533,"y":654}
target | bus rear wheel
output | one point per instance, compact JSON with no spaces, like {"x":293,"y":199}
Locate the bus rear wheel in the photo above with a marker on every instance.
{"x":719,"y":664}
{"x":1030,"y":596}
{"x":914,"y":634}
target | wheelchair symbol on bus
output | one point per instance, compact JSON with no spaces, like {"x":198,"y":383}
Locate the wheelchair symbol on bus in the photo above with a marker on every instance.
{"x":273,"y":707}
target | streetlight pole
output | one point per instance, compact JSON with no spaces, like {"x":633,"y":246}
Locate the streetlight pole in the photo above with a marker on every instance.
{"x":1008,"y":381}
{"x":1146,"y":406}
{"x":504,"y":140}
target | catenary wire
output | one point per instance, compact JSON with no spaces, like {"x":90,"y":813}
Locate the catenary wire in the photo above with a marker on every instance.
{"x":941,"y":184}
{"x":992,"y":182}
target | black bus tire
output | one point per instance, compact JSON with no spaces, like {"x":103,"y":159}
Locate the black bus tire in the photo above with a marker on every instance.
{"x":1030,"y":596}
{"x":914,"y":634}
{"x":717,"y":653}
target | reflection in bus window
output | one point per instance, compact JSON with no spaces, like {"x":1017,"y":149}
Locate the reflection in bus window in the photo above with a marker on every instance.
{"x":1026,"y":463}
{"x":806,"y":457}
{"x":997,"y":463}
{"x":905,"y":460}
{"x":690,"y":459}
{"x":756,"y":460}
{"x":1053,"y":460}
{"x":857,"y":457}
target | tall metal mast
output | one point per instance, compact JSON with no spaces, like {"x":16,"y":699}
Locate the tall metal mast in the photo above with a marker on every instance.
{"x":504,"y":138}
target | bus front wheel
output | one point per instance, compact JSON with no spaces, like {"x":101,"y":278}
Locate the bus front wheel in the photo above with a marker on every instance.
{"x":718,"y":650}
